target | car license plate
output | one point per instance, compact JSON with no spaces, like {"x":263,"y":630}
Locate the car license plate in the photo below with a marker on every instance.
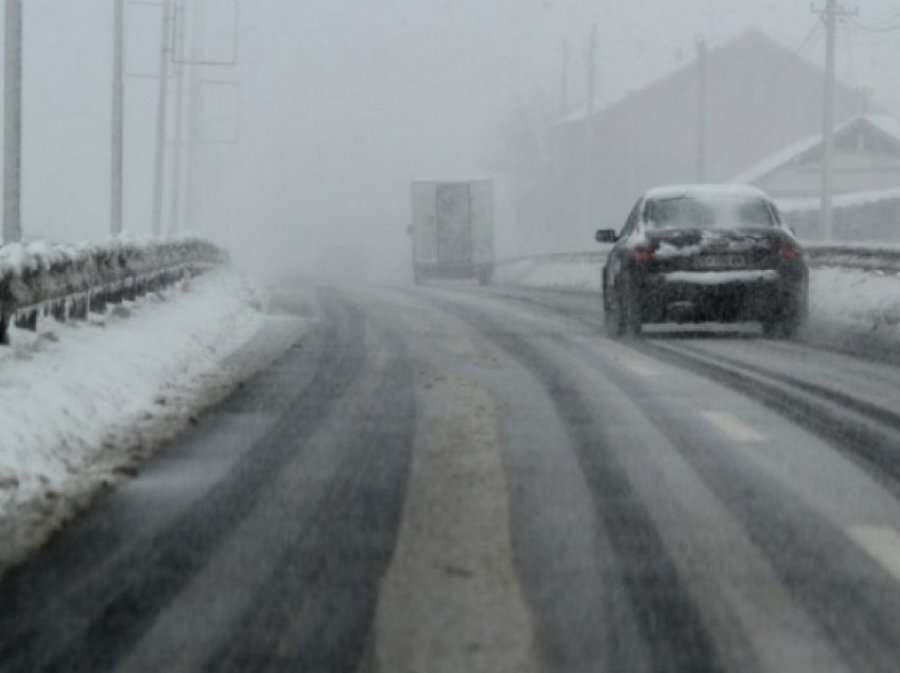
{"x":721,"y":262}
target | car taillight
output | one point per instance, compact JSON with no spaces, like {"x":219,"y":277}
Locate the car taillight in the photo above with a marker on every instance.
{"x":642,"y":256}
{"x":790,"y":252}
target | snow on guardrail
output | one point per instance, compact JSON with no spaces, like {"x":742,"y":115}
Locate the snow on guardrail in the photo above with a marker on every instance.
{"x":69,"y":281}
{"x":864,"y":256}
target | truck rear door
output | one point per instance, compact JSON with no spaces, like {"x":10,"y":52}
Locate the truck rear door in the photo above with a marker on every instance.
{"x":454,"y":227}
{"x":424,"y":204}
{"x":481,"y":203}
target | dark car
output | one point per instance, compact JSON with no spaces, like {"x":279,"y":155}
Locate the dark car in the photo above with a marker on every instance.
{"x":706,"y":253}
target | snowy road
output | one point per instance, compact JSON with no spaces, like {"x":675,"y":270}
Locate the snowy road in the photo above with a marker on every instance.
{"x":453,"y":479}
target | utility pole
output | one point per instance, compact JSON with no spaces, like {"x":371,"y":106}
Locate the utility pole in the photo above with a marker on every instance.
{"x":179,"y":127}
{"x":179,"y":144}
{"x":564,"y":80}
{"x":702,"y":110}
{"x":826,"y":214}
{"x":830,"y":15}
{"x":197,"y":48}
{"x":161,"y":111}
{"x":118,"y":119}
{"x":589,"y":128}
{"x":12,"y":124}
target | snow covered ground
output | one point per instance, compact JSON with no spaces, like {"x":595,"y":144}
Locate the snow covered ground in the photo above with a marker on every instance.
{"x":82,"y":404}
{"x":856,"y":310}
{"x":853,"y":309}
{"x":574,"y":272}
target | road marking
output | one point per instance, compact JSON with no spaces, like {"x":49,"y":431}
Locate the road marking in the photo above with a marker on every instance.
{"x":451,"y":599}
{"x":882,"y":543}
{"x":733,"y":426}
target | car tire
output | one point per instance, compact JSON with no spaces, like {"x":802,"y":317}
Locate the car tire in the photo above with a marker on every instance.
{"x":613,"y":320}
{"x":785,"y":328}
{"x":630,"y":310}
{"x":791,"y":320}
{"x":792,"y":324}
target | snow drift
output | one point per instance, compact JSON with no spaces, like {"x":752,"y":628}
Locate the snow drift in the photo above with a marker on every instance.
{"x":81,"y":404}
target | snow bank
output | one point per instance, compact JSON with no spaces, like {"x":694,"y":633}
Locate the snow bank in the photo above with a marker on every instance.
{"x":855,"y":307}
{"x":81,"y":404}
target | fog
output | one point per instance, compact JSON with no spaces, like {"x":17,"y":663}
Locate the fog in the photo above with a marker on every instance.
{"x":338,"y":104}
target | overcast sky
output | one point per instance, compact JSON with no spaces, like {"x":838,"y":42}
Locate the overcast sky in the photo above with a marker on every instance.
{"x":342,"y":101}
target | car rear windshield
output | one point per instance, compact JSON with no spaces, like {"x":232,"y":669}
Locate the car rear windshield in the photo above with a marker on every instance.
{"x":714,"y":212}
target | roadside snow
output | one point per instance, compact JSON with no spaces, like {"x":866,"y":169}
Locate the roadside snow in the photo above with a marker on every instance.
{"x":82,"y":404}
{"x":575,"y":272}
{"x":857,"y":300}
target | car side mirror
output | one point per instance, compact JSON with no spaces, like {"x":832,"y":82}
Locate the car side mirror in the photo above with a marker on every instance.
{"x":606,"y":236}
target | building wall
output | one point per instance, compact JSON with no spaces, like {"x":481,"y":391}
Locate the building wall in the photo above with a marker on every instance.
{"x":876,"y":221}
{"x":852,"y":173}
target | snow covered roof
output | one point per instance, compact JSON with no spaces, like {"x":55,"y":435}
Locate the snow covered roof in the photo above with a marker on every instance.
{"x":839,"y":201}
{"x":576,"y":115}
{"x":887,"y":125}
{"x":706,"y":191}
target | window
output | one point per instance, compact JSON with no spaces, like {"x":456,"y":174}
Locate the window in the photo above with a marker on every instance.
{"x":709,"y":212}
{"x":632,"y":220}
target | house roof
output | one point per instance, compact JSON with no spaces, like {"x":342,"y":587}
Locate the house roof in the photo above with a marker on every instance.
{"x":761,"y":95}
{"x":888,"y":127}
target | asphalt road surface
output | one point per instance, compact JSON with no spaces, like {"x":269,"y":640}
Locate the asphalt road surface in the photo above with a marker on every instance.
{"x":457,"y":479}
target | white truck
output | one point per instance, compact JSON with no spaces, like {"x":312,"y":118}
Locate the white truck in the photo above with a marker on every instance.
{"x":453,"y":229}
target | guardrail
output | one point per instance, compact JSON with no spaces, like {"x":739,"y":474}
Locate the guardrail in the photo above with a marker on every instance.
{"x":868,"y":256}
{"x":69,"y":282}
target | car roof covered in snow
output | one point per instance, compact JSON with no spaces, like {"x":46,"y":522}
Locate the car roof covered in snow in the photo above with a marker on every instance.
{"x":701,"y":192}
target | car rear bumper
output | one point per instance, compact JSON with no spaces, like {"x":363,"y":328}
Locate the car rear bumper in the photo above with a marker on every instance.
{"x":727,"y":296}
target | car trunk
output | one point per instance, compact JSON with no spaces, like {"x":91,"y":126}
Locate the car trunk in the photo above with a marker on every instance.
{"x":714,"y":249}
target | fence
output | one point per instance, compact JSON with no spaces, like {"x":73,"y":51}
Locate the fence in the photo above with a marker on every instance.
{"x":69,"y":282}
{"x":868,"y":256}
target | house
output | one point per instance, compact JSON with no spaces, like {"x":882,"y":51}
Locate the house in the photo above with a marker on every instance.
{"x":761,"y":97}
{"x":866,"y":180}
